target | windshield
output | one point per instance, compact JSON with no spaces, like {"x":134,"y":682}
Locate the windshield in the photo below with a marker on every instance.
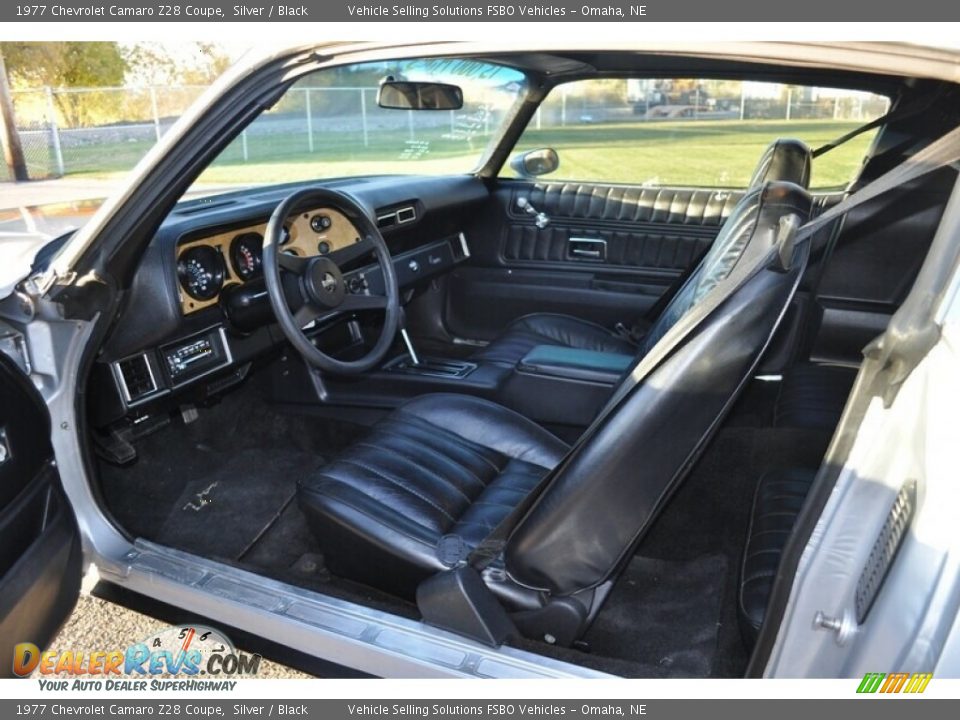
{"x":328,"y":125}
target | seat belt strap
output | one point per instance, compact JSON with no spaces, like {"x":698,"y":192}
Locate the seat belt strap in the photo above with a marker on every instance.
{"x":940,"y":153}
{"x":660,"y":305}
{"x":900,"y":113}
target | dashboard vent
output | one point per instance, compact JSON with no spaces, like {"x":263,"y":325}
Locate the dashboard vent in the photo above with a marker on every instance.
{"x":137,"y":377}
{"x":396,"y":216}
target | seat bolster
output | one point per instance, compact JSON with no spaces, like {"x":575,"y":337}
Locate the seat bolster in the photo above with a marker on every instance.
{"x":376,"y":544}
{"x":488,"y":425}
{"x":784,"y":160}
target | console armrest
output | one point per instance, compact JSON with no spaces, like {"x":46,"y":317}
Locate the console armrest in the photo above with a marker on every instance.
{"x":574,"y":364}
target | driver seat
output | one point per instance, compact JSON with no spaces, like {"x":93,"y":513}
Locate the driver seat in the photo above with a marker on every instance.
{"x":453,"y":465}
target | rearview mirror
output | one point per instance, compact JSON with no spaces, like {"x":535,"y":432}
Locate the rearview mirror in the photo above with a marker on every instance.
{"x":397,"y":95}
{"x":535,"y":162}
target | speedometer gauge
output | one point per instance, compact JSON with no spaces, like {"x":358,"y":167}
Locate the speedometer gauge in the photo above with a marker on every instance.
{"x":201,"y":271}
{"x":246,"y":255}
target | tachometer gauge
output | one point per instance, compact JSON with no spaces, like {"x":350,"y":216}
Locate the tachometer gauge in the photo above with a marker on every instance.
{"x":246,"y":254}
{"x":201,"y":271}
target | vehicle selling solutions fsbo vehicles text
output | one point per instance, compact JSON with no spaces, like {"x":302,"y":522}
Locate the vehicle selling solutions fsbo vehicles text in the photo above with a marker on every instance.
{"x":494,"y":11}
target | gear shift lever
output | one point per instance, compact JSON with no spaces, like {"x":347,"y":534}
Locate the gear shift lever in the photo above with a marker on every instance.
{"x":402,"y":322}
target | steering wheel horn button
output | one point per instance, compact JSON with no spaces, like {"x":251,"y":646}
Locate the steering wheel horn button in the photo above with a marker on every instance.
{"x":324,"y":283}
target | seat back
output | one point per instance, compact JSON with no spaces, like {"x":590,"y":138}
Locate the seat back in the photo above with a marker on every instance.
{"x":784,"y":160}
{"x":610,"y":487}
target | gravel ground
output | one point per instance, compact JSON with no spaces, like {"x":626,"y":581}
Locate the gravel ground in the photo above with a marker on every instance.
{"x":100,"y":625}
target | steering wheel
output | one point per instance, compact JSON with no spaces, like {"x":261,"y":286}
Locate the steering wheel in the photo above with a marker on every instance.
{"x":305,"y":289}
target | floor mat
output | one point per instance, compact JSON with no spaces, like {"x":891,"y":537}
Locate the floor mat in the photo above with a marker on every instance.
{"x":288,"y":552}
{"x":223,"y":513}
{"x":662,"y":614}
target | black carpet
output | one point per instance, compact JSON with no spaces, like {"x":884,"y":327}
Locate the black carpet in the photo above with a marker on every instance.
{"x":662,"y":615}
{"x":224,"y":486}
{"x":222,"y":513}
{"x":249,"y":457}
{"x":710,"y":512}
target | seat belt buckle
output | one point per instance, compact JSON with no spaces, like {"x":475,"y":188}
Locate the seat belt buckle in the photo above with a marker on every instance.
{"x":629,"y":334}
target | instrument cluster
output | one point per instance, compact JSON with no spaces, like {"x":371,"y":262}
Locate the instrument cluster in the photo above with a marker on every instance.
{"x":207,"y":265}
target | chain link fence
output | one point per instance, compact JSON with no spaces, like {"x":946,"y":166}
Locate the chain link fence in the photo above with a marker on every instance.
{"x":626,"y":101}
{"x":99,"y":131}
{"x":94,"y":130}
{"x":104,"y":131}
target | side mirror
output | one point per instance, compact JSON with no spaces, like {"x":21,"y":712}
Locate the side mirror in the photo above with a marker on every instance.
{"x":535,"y":162}
{"x":397,"y":95}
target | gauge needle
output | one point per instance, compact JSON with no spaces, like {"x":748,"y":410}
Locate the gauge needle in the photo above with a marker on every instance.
{"x":185,"y":646}
{"x":186,"y":642}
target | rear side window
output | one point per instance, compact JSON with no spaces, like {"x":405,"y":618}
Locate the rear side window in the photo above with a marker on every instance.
{"x":689,"y":132}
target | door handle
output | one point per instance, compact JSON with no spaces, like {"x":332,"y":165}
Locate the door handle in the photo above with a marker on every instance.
{"x":592,"y":249}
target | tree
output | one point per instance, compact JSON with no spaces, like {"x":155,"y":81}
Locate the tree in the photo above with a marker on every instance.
{"x":193,"y":63}
{"x":66,"y":65}
{"x":9,"y":137}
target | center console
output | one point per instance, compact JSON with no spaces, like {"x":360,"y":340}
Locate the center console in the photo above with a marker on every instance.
{"x":564,"y":386}
{"x":430,"y":367}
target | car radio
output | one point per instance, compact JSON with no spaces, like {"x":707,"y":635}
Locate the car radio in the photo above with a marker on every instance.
{"x":195,"y":356}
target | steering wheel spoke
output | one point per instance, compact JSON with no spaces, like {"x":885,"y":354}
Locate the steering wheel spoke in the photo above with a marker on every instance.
{"x":293,"y":263}
{"x":306,"y":314}
{"x":349,"y":253}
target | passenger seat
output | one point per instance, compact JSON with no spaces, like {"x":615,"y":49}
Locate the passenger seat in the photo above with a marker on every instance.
{"x":785,"y":160}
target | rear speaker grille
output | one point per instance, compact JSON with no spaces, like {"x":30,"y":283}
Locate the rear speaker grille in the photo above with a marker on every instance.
{"x":885,"y":548}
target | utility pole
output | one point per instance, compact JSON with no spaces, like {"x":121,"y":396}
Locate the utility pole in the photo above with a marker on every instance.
{"x":9,"y":138}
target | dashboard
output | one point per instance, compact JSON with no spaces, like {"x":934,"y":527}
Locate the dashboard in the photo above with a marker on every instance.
{"x":196,"y":312}
{"x":208,"y":264}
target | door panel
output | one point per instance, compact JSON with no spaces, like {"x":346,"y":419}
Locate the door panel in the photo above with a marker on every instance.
{"x":482,"y":301}
{"x":40,"y":555}
{"x":606,"y":252}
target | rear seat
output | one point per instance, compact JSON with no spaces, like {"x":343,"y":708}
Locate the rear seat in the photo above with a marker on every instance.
{"x":813,"y":396}
{"x":779,"y":497}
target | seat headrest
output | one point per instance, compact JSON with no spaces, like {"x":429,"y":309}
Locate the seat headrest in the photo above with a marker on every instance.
{"x":785,"y":160}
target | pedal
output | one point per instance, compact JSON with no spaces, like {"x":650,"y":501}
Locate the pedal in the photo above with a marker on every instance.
{"x":114,"y":448}
{"x":189,"y":414}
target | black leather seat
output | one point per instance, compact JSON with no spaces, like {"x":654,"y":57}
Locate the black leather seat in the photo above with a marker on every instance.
{"x":778,"y":500}
{"x":441,"y":464}
{"x":785,"y":160}
{"x":448,"y":465}
{"x":813,"y":396}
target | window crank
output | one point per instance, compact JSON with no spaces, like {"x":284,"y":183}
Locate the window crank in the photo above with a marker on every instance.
{"x":540,"y":219}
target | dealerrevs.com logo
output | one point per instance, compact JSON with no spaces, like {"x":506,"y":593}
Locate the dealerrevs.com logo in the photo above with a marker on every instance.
{"x":179,"y":658}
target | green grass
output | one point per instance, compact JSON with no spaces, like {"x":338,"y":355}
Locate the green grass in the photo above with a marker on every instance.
{"x":719,"y":153}
{"x":709,"y":153}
